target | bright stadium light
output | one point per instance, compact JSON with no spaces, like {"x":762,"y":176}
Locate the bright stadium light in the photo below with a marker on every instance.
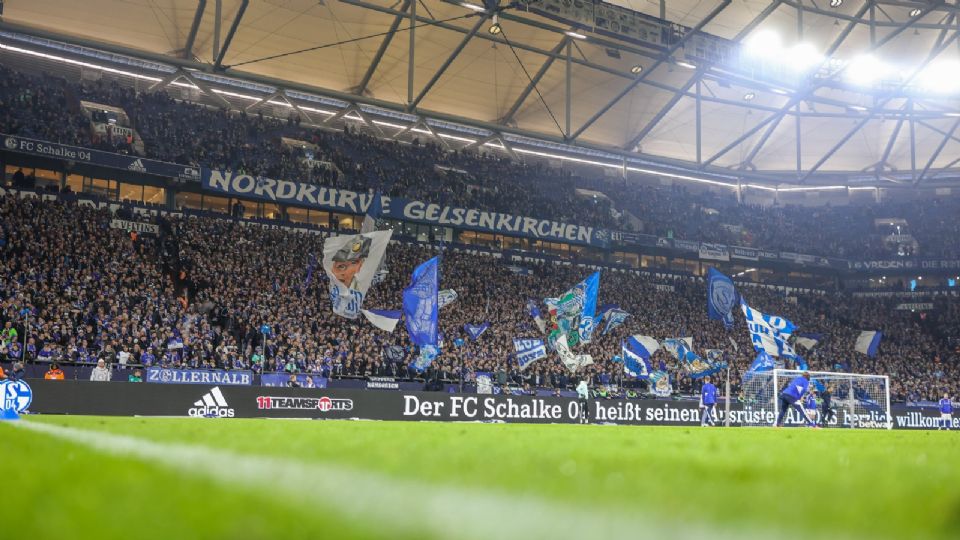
{"x":764,"y":44}
{"x":802,"y":57}
{"x":866,"y":69}
{"x":940,"y":77}
{"x":636,"y":69}
{"x":836,"y":3}
{"x":749,"y":96}
{"x":575,"y":35}
{"x":915,"y":12}
{"x":473,"y":7}
{"x":685,"y":64}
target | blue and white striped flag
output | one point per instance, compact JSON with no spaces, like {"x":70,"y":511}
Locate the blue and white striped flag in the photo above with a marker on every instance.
{"x":868,"y":342}
{"x":636,"y":351}
{"x":528,"y":351}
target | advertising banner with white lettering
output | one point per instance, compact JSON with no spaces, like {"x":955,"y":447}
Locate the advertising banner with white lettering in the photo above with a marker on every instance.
{"x":198,"y":376}
{"x":340,"y":200}
{"x":747,"y":254}
{"x":97,"y":157}
{"x":714,"y":252}
{"x":137,"y":226}
{"x":351,"y":261}
{"x":906,"y":264}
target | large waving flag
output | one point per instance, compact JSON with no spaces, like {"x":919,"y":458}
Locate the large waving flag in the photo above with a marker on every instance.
{"x":534,"y":311}
{"x":446,"y":297}
{"x":763,"y":362}
{"x":574,"y":312}
{"x":769,"y":333}
{"x":384,"y":319}
{"x":351,"y":262}
{"x":636,"y":352}
{"x":528,"y":351}
{"x":868,"y":342}
{"x":615,"y":317}
{"x":808,"y":341}
{"x":721,"y":297}
{"x":573,"y":362}
{"x":695,"y":366}
{"x":660,"y":383}
{"x":428,"y":353}
{"x":475,"y":330}
{"x":420,"y":304}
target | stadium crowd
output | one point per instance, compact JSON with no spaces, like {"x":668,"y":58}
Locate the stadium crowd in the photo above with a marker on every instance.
{"x":76,"y":290}
{"x":49,"y":108}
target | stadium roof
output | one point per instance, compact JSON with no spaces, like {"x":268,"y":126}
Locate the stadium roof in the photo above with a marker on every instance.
{"x":559,"y":70}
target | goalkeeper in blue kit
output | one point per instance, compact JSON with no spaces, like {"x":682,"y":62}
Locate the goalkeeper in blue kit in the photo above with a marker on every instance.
{"x":792,"y":396}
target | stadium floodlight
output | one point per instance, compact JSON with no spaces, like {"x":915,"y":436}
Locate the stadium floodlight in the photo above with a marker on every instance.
{"x":685,"y":64}
{"x":915,"y":12}
{"x":749,"y":96}
{"x":941,"y":77}
{"x":865,"y":69}
{"x":575,"y":35}
{"x":763,"y":44}
{"x":473,"y":7}
{"x":802,"y":57}
{"x":836,"y":3}
{"x":636,"y":69}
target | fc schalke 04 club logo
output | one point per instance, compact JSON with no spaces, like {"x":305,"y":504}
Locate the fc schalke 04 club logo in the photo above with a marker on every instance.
{"x":16,"y":395}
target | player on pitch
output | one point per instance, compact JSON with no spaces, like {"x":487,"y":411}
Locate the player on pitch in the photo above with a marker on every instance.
{"x":792,"y":396}
{"x":708,"y":403}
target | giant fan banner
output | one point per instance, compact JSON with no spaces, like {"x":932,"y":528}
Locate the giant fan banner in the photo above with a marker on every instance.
{"x":351,"y":261}
{"x":341,"y":200}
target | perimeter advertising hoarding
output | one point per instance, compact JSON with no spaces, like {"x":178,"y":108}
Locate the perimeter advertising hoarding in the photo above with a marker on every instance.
{"x":128,"y":399}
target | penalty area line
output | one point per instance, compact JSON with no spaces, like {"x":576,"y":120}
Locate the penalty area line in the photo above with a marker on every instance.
{"x":385,"y":504}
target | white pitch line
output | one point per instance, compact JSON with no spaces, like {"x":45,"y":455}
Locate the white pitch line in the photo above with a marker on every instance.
{"x":387,"y":505}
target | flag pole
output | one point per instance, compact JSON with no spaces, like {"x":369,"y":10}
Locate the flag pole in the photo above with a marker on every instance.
{"x":726,"y":419}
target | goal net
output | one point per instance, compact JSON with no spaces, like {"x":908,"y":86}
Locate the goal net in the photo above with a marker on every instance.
{"x":856,"y":400}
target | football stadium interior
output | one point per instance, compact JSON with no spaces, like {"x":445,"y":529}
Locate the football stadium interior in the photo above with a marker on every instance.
{"x":452,"y":233}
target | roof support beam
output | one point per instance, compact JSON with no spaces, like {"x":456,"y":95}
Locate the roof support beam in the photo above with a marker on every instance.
{"x":744,"y":32}
{"x":384,"y":45}
{"x":889,"y":148}
{"x":230,"y":33}
{"x":194,"y":27}
{"x":799,"y":96}
{"x":555,"y":52}
{"x":936,"y":153}
{"x":446,"y":64}
{"x":412,"y":49}
{"x":646,"y":73}
{"x":878,"y":106}
{"x":181,"y":73}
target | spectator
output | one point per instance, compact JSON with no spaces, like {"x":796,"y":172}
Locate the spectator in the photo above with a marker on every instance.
{"x":101,"y":373}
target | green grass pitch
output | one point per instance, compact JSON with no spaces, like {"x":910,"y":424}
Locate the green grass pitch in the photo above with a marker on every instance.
{"x":367,"y":480}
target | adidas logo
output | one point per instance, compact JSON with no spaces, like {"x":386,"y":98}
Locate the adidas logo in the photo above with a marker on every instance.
{"x":137,"y":166}
{"x":212,"y":404}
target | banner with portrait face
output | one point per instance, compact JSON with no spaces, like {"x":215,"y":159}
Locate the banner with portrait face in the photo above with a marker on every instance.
{"x":351,"y":261}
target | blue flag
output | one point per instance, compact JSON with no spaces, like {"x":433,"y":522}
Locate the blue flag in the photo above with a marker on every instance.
{"x":721,"y":297}
{"x":636,"y":352}
{"x":763,"y":362}
{"x":528,"y":351}
{"x":695,"y":366}
{"x":420,"y":304}
{"x":426,"y":357}
{"x":615,"y":317}
{"x":769,"y":333}
{"x":660,"y":383}
{"x":868,"y":343}
{"x":474,"y":330}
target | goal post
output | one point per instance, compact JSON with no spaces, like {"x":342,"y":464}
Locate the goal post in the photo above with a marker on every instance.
{"x":857,"y":400}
